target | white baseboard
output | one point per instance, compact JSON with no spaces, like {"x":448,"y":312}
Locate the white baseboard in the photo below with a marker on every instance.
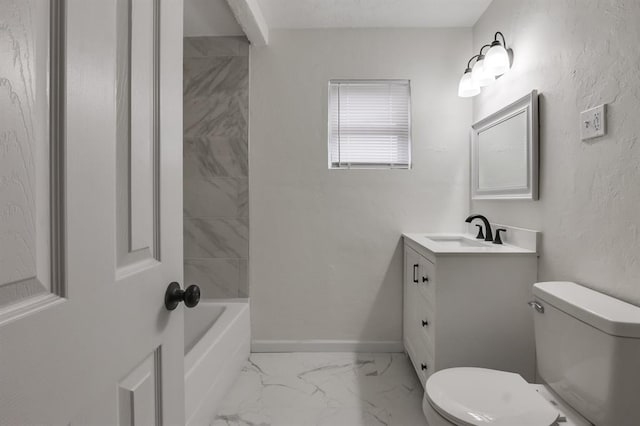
{"x":326,"y":346}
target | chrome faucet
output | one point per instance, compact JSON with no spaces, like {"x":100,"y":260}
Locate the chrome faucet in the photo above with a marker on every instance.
{"x":487,"y":226}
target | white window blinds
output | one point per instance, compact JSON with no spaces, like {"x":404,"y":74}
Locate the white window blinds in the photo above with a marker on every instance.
{"x":369,"y":124}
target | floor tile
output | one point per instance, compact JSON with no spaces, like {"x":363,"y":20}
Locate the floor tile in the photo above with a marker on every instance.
{"x":337,"y":389}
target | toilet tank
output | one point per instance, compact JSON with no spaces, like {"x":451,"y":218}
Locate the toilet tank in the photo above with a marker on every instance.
{"x":588,"y":351}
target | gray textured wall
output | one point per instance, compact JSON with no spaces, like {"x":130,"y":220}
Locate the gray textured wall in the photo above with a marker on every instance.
{"x":578,"y":55}
{"x":216,"y":202}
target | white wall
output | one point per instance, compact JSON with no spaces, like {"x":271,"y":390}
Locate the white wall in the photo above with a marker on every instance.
{"x":578,"y":55}
{"x":325,"y":247}
{"x":209,"y":18}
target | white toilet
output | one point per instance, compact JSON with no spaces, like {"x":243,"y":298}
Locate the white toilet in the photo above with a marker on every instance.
{"x":588,"y":354}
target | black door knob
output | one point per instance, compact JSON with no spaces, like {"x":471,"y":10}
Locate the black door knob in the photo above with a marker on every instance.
{"x":423,"y":366}
{"x":174,"y":295}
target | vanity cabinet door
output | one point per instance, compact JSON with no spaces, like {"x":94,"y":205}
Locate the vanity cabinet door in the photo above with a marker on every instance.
{"x":427,"y":279}
{"x":411,"y":266}
{"x":411,"y":279}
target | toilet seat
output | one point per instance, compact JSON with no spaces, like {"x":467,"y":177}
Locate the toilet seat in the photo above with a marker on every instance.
{"x":468,"y":396}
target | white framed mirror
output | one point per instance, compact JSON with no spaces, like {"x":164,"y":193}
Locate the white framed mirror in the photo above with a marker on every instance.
{"x":504,"y":152}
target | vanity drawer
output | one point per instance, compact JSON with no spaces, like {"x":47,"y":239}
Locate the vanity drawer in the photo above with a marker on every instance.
{"x":424,"y":319}
{"x":421,"y":358}
{"x":419,"y":315}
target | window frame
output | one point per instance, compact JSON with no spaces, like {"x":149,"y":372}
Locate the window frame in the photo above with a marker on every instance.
{"x":367,"y":166}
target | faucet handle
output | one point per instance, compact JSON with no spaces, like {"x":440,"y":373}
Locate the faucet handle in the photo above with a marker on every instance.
{"x":480,"y":235}
{"x":498,"y":240}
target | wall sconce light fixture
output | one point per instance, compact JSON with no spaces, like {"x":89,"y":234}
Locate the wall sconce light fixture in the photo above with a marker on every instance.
{"x":486,"y":68}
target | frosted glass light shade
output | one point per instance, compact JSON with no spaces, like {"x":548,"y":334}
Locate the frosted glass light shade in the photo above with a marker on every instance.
{"x":481,"y":75}
{"x":497,"y":59}
{"x":467,"y":87}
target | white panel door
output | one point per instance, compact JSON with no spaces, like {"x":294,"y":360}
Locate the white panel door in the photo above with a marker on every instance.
{"x":90,"y":212}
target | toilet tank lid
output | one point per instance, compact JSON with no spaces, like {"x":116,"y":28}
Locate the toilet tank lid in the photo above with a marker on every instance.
{"x":606,"y":313}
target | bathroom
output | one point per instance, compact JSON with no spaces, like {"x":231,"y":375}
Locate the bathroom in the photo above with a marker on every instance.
{"x":195,"y":250}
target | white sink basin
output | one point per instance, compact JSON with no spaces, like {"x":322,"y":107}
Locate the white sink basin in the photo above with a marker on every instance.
{"x":455,"y":241}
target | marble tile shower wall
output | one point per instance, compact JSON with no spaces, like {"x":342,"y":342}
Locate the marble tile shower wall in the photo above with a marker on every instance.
{"x":216,"y":193}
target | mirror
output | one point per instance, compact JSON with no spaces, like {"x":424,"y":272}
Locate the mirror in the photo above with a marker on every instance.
{"x":504,"y":152}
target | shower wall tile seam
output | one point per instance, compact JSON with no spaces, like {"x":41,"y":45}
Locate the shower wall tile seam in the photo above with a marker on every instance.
{"x":213,"y":217}
{"x":214,"y":46}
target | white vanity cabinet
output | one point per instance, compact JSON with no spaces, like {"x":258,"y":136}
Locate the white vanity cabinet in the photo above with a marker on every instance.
{"x":468,"y":308}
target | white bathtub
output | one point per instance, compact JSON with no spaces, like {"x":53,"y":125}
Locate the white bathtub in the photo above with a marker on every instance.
{"x":216,"y":346}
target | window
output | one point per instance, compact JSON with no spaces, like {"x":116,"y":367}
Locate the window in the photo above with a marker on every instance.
{"x":369,"y":124}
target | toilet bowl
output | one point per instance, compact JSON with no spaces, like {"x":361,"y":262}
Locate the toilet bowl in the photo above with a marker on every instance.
{"x":588,"y":354}
{"x":479,"y":396}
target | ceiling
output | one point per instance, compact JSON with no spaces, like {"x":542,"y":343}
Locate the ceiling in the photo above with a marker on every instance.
{"x":301,"y":14}
{"x":209,"y":18}
{"x":215,"y":18}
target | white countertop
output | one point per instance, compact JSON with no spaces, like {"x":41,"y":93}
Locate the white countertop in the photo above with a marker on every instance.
{"x":481,"y":246}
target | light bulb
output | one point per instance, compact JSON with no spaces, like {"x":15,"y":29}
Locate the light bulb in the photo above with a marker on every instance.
{"x":480,"y":74}
{"x":467,"y":87}
{"x":497,"y":59}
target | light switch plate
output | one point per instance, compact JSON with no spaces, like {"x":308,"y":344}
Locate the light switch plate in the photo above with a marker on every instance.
{"x":593,"y":122}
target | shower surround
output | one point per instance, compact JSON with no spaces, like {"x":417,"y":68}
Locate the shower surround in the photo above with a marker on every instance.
{"x":216,"y":194}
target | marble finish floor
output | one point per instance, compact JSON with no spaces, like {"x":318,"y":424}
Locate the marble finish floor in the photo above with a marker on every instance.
{"x":332,"y":389}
